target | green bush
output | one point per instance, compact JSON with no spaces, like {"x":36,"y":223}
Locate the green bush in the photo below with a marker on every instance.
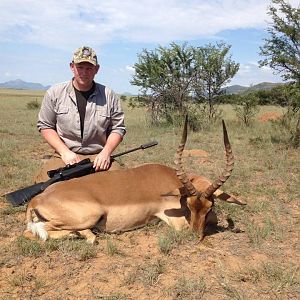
{"x":287,"y":128}
{"x":33,"y":104}
{"x":123,"y":97}
{"x":246,"y":108}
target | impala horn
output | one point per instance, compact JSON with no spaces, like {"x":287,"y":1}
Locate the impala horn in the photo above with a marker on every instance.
{"x":228,"y":169}
{"x":180,"y":172}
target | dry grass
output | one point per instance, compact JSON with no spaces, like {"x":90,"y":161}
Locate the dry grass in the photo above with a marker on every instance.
{"x":253,"y":253}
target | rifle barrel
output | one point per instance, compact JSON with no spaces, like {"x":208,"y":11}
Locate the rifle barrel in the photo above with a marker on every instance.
{"x":142,"y":147}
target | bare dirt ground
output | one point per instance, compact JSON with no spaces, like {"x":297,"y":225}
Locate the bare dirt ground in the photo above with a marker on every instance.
{"x":270,"y":116}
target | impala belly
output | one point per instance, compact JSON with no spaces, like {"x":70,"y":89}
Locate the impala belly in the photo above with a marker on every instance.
{"x":120,"y":218}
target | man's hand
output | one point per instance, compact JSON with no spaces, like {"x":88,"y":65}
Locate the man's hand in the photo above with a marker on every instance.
{"x":52,"y":138}
{"x":102,"y":161}
{"x":69,"y":157}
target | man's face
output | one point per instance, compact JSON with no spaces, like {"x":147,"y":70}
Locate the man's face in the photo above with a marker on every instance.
{"x":84,"y":73}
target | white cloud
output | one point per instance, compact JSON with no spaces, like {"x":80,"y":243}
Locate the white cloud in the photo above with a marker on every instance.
{"x":251,"y":73}
{"x":65,"y":24}
{"x":58,"y":26}
{"x":130,"y":69}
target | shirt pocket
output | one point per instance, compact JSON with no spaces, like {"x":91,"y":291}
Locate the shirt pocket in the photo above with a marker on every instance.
{"x":62,"y":110}
{"x":64,"y":119}
{"x":103,"y":118}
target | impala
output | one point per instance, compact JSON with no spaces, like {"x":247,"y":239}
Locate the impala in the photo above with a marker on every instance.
{"x":125,"y":199}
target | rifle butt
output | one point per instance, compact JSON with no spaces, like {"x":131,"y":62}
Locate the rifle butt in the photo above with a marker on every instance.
{"x":22,"y":196}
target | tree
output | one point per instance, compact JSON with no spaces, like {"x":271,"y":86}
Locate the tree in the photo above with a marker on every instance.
{"x":246,"y":107}
{"x":282,"y":48}
{"x":215,"y":69}
{"x":170,"y":77}
{"x":287,"y":128}
{"x":282,"y":52}
{"x":165,"y":78}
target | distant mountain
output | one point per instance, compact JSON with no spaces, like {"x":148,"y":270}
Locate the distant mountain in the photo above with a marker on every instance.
{"x":236,"y":89}
{"x":264,"y":86}
{"x":232,"y":89}
{"x":127,"y":94}
{"x":22,"y":85}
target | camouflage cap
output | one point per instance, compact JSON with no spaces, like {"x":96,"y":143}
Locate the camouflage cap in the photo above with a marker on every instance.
{"x":85,"y":54}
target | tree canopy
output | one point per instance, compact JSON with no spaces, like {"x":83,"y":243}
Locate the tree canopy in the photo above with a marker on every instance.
{"x":171,"y":77}
{"x":282,"y":47}
{"x":215,"y":69}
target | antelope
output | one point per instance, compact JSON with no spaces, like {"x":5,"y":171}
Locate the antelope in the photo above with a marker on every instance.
{"x":122,"y":200}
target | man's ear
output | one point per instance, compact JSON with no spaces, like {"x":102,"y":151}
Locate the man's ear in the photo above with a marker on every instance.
{"x":72,"y":66}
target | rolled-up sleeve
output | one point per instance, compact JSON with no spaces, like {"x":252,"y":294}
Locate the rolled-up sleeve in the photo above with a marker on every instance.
{"x":117,"y":117}
{"x":47,"y":115}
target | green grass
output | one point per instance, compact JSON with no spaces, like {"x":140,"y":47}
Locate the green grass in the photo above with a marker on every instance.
{"x":24,"y":279}
{"x":112,"y":296}
{"x":28,"y":247}
{"x":172,"y":239}
{"x":112,"y":248}
{"x":76,"y":248}
{"x":19,"y":138}
{"x":148,"y":273}
{"x":279,"y":277}
{"x":188,"y":288}
{"x":266,"y":177}
{"x":11,"y":210}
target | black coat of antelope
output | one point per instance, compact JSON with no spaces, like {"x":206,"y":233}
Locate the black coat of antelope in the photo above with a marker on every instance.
{"x":122,"y":200}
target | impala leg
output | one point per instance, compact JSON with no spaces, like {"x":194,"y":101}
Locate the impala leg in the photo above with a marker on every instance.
{"x":87,"y":233}
{"x":178,"y":223}
{"x":53,"y":234}
{"x":29,"y":235}
{"x":58,"y":234}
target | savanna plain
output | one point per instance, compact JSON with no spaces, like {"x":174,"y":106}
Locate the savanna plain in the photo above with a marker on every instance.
{"x":253,"y":253}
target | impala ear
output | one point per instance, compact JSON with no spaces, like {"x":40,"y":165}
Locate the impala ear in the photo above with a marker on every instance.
{"x":227,"y":198}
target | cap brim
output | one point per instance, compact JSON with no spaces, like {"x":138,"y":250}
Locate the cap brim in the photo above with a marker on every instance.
{"x":78,"y":61}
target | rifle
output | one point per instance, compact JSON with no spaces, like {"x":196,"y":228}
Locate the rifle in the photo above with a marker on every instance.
{"x":82,"y":168}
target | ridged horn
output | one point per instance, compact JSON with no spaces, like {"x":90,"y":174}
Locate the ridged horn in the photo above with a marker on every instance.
{"x":228,"y":169}
{"x":180,"y":172}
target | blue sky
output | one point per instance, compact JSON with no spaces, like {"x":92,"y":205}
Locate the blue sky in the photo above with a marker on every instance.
{"x":37,"y":38}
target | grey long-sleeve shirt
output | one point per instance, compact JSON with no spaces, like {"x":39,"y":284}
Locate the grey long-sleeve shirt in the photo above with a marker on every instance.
{"x":104,"y":115}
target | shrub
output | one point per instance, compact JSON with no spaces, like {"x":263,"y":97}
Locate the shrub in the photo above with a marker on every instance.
{"x":246,"y":108}
{"x":198,"y":114}
{"x":288,"y":127}
{"x":123,"y":97}
{"x":33,"y":104}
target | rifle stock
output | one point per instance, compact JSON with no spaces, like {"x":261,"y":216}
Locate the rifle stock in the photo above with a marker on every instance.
{"x":23,"y":195}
